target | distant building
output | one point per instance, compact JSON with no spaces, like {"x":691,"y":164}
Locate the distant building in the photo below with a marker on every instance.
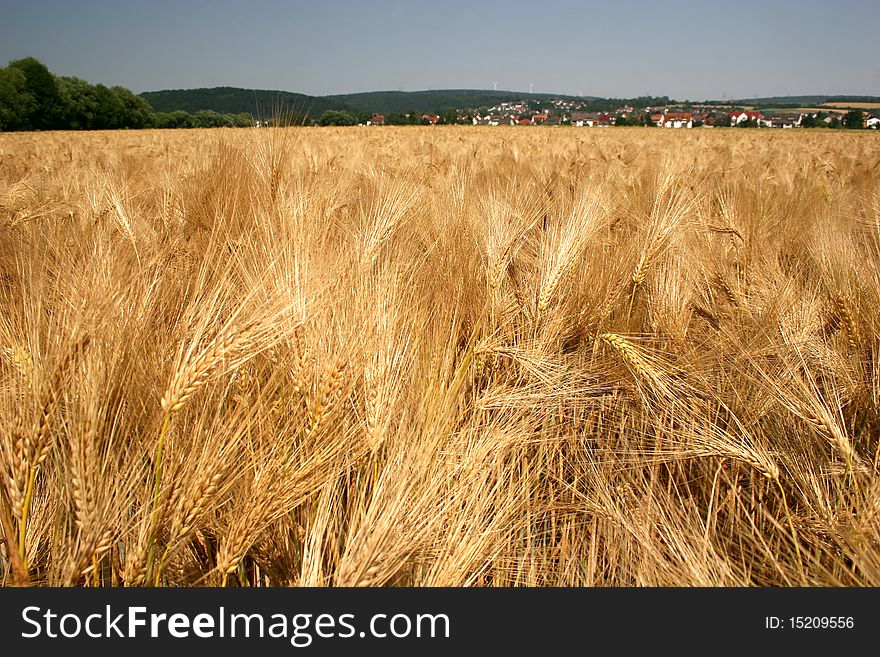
{"x":433,"y":119}
{"x":377,"y":119}
{"x":741,"y":116}
{"x":589,"y":119}
{"x":873,"y":122}
{"x":581,"y":119}
{"x":678,"y":120}
{"x":782,"y":120}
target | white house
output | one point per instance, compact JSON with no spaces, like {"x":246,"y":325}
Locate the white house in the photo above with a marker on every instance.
{"x":783,"y":121}
{"x":740,"y":116}
{"x":678,"y":120}
{"x":584,"y":119}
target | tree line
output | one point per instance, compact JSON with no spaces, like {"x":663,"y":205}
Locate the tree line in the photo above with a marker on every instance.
{"x":32,"y":98}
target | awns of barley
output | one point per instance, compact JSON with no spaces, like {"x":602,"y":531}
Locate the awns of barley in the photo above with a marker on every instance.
{"x":22,"y":360}
{"x":326,"y":394}
{"x":373,"y":411}
{"x":192,"y":374}
{"x":94,"y":536}
{"x":16,"y":471}
{"x":820,"y":419}
{"x":137,"y":555}
{"x":274,"y":493}
{"x":637,"y":362}
{"x":189,"y":507}
{"x":551,"y":284}
{"x":843,"y":317}
{"x":38,"y":444}
{"x":729,"y":293}
{"x":641,"y":270}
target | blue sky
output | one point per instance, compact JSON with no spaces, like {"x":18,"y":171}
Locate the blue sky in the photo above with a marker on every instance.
{"x":686,"y":50}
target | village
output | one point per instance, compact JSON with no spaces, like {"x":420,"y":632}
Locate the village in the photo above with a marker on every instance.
{"x":567,"y":112}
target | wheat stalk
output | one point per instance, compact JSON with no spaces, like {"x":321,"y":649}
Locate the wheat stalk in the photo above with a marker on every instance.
{"x":846,"y":319}
{"x":37,"y":444}
{"x":326,"y":394}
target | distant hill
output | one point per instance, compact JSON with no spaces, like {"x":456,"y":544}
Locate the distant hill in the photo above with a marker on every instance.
{"x":232,"y":100}
{"x":262,"y":103}
{"x":436,"y":101}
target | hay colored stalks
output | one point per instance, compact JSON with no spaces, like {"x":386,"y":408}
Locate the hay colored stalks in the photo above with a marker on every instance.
{"x":440,"y":356}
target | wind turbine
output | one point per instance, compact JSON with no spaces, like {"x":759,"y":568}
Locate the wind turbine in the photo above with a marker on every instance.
{"x":531,"y":86}
{"x":496,"y":86}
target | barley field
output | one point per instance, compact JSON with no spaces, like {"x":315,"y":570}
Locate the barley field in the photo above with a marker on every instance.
{"x":440,"y":357}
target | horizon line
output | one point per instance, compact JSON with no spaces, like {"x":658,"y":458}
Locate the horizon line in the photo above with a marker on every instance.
{"x":516,"y":91}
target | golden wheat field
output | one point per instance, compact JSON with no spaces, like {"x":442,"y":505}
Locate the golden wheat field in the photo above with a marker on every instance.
{"x":440,"y":356}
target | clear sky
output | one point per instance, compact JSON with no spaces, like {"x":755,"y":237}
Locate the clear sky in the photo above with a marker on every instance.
{"x":683,"y":49}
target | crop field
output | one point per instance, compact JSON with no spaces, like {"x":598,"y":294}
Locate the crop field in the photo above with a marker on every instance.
{"x":830,"y":110}
{"x":853,"y":105}
{"x":440,"y":356}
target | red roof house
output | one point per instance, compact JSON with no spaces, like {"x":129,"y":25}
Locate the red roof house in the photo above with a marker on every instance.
{"x":740,"y":116}
{"x":678,"y":120}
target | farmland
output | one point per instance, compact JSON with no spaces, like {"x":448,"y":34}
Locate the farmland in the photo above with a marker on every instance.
{"x":440,"y":356}
{"x":853,"y":105}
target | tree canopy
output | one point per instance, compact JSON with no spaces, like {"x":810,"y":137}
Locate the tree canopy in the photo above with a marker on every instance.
{"x":32,"y":98}
{"x":854,"y":119}
{"x":333,"y":117}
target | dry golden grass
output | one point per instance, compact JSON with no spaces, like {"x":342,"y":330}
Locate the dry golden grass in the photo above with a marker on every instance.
{"x":853,"y":105}
{"x":833,"y":108}
{"x":463,"y":356}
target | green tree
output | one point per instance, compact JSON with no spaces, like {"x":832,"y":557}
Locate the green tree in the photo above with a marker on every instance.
{"x":449,"y":117}
{"x":394,"y":118}
{"x":176,"y":119}
{"x":208,"y":119}
{"x":243,"y":120}
{"x":80,"y":103}
{"x":17,"y":105}
{"x":811,"y":121}
{"x":135,"y":112}
{"x":109,"y":109}
{"x":42,"y":86}
{"x":335,"y":117}
{"x":854,"y":120}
